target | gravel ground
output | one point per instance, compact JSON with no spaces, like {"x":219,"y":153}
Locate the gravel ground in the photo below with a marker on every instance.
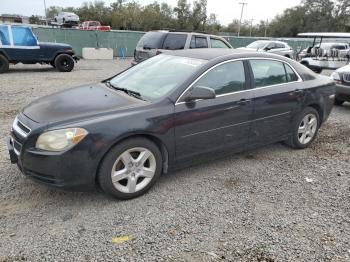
{"x":270,"y":204}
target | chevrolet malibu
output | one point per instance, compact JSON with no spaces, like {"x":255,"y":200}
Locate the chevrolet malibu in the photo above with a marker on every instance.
{"x":123,"y":133}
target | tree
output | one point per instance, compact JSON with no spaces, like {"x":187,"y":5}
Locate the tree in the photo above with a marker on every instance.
{"x":34,"y":19}
{"x":182,"y":11}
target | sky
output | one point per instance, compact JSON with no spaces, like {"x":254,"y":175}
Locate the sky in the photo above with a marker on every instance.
{"x":226,"y":10}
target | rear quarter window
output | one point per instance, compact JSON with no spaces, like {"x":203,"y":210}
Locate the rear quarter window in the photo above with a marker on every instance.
{"x":175,"y":41}
{"x":151,"y":40}
{"x":217,"y":43}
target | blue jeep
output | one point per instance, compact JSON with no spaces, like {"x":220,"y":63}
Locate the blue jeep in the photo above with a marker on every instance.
{"x":18,"y":44}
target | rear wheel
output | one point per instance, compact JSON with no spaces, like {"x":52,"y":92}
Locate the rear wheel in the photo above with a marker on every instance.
{"x":305,"y":129}
{"x":4,"y":64}
{"x":64,"y":63}
{"x":130,"y":169}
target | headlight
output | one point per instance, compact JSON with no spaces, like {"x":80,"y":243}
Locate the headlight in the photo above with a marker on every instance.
{"x":60,"y":140}
{"x":335,"y":76}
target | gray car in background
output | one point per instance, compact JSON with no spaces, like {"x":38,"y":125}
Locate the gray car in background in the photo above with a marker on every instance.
{"x":271,"y":46}
{"x":155,"y":42}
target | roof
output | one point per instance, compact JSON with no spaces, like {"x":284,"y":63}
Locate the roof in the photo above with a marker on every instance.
{"x":326,"y":35}
{"x":213,"y":53}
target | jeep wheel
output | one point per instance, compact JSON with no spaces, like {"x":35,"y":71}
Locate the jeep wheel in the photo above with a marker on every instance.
{"x":4,"y":64}
{"x":64,"y":63}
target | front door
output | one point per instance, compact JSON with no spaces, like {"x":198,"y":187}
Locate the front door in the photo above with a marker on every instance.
{"x":207,"y":125}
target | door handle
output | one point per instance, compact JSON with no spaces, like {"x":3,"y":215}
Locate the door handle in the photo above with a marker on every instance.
{"x":244,"y":101}
{"x":299,"y":92}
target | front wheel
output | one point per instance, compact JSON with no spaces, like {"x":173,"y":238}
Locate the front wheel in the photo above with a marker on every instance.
{"x":305,"y":129}
{"x":64,"y":63}
{"x":131,"y":168}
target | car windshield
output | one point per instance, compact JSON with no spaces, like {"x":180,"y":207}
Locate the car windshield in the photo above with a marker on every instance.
{"x":257,"y":44}
{"x":157,"y":76}
{"x":152,"y":40}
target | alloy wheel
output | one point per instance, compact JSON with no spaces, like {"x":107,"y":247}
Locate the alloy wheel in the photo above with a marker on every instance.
{"x":307,"y":129}
{"x":133,"y":170}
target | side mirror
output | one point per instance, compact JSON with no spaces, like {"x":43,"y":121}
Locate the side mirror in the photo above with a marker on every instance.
{"x":200,"y":92}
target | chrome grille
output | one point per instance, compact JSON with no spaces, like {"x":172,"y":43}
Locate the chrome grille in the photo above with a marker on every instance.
{"x":346,"y":78}
{"x":19,"y":128}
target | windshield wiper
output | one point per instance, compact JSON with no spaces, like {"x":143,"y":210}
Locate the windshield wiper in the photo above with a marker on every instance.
{"x":127,"y":91}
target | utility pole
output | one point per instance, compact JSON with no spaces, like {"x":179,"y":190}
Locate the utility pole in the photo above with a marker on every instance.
{"x":45,"y":11}
{"x":240,"y":20}
{"x":267,"y":23}
{"x":251,"y":27}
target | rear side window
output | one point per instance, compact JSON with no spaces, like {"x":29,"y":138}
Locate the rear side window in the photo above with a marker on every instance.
{"x":291,"y":76}
{"x":278,"y":45}
{"x":175,"y":41}
{"x":151,"y":40}
{"x":4,"y":35}
{"x":268,"y":72}
{"x":217,"y":43}
{"x":23,"y":36}
{"x":225,"y":78}
{"x":199,"y":42}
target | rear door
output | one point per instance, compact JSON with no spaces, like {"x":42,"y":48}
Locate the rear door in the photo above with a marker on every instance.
{"x":216,"y":124}
{"x":277,"y":99}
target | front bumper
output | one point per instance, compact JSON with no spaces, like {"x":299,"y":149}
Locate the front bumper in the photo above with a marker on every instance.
{"x":73,"y":170}
{"x":342,"y":92}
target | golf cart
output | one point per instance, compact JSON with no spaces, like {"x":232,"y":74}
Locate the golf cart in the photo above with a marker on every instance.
{"x":322,"y":55}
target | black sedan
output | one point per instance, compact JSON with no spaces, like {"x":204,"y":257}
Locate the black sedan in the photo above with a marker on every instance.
{"x":123,"y":133}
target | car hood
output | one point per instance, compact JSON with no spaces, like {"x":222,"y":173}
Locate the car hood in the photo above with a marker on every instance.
{"x":55,"y":45}
{"x":79,"y":103}
{"x":344,"y":69}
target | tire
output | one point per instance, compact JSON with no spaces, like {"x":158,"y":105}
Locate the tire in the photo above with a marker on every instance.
{"x":338,"y":102}
{"x":4,"y":64}
{"x":295,"y":140}
{"x":317,"y":70}
{"x":64,"y":63}
{"x":135,"y":178}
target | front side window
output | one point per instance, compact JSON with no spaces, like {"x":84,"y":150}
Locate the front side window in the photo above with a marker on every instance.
{"x":199,"y":42}
{"x":4,"y":35}
{"x":268,"y":72}
{"x":158,"y":75}
{"x":175,"y":41}
{"x":23,"y":36}
{"x":217,"y":43}
{"x":225,"y":78}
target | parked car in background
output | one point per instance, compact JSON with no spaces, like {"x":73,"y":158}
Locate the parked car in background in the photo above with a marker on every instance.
{"x":332,"y":50}
{"x":67,"y":18}
{"x":18,"y":44}
{"x":342,"y":79}
{"x":123,"y":133}
{"x":94,"y":25}
{"x":154,"y":42}
{"x":322,"y":55}
{"x":275,"y":47}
